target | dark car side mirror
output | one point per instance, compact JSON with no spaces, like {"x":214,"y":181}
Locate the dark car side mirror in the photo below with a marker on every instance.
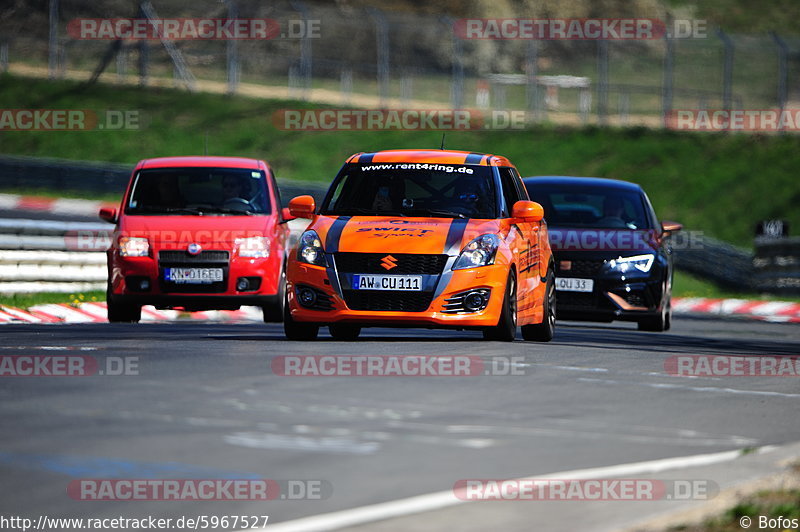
{"x":302,"y":207}
{"x":667,"y":228}
{"x":529,"y":211}
{"x":108,"y":214}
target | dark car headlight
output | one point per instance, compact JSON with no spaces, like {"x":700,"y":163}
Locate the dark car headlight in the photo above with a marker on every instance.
{"x":641,"y":263}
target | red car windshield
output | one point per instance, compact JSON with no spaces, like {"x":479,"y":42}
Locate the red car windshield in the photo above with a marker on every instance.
{"x":200,"y":191}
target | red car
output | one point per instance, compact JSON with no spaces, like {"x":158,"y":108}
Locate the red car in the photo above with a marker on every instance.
{"x":197,"y":233}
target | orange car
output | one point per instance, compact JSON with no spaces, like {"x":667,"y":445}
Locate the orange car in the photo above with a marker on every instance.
{"x":422,"y":238}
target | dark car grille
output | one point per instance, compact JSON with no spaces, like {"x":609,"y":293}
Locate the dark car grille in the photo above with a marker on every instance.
{"x":181,"y":257}
{"x":581,"y":267}
{"x":386,"y":301}
{"x":583,"y":301}
{"x":407,"y":263}
{"x":636,"y":298}
{"x":204,"y":259}
{"x":575,"y":300}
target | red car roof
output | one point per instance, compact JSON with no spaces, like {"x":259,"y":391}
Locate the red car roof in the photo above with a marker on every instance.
{"x":198,"y":160}
{"x":430,"y":156}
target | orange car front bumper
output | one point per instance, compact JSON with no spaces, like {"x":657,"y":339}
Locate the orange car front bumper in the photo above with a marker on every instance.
{"x":492,"y":278}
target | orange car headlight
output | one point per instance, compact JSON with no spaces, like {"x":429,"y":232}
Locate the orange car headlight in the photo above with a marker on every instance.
{"x":480,"y":251}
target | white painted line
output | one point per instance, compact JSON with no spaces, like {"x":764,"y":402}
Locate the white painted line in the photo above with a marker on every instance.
{"x":713,"y":389}
{"x":444,"y":499}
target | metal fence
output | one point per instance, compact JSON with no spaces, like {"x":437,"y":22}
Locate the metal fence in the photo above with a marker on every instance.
{"x":366,"y":57}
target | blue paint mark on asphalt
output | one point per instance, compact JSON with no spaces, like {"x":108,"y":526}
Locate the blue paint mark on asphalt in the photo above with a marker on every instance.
{"x":95,"y":467}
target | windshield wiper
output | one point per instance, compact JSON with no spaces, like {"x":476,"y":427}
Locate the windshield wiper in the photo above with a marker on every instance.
{"x":437,"y":212}
{"x":166,"y":210}
{"x":223,"y":210}
{"x":366,"y":212}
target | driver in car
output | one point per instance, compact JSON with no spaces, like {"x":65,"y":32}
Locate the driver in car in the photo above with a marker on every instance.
{"x":233,"y":187}
{"x":470,"y":198}
{"x":613,"y":213}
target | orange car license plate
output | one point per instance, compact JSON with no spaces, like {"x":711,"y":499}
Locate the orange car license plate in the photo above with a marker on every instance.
{"x":412,"y":283}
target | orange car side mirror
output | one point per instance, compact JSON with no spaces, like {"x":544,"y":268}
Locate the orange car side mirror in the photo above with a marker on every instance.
{"x":302,"y":207}
{"x":529,"y":211}
{"x":670,"y":227}
{"x":109,"y":214}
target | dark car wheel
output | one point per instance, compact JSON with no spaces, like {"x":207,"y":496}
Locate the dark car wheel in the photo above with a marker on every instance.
{"x":543,"y":332}
{"x":659,"y":323}
{"x":121,"y":312}
{"x":295,"y":330}
{"x":344,"y":332}
{"x":506,"y":328}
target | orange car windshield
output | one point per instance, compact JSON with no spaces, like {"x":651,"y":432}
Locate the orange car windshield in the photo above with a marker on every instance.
{"x":413,"y":189}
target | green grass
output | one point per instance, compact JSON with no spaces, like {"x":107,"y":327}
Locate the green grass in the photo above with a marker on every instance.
{"x":769,"y":503}
{"x":29,"y":300}
{"x":717,"y":183}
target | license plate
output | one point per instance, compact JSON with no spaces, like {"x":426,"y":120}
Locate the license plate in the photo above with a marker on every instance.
{"x":569,"y":284}
{"x":405,"y":283}
{"x":193,"y":275}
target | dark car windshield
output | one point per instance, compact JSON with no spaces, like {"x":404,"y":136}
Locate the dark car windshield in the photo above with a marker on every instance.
{"x":599,"y":207}
{"x":413,"y":189}
{"x":199,"y":191}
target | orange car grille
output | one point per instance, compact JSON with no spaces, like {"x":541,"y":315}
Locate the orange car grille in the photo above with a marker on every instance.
{"x":406,"y":263}
{"x":385,"y":301}
{"x":401,"y":264}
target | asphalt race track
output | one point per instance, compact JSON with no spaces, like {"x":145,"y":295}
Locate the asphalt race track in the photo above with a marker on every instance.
{"x":206,"y":404}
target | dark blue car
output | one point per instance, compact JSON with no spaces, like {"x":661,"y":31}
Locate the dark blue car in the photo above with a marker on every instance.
{"x":612,"y":255}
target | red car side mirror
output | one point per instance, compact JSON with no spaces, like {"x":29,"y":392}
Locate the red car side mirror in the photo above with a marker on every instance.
{"x":109,"y":214}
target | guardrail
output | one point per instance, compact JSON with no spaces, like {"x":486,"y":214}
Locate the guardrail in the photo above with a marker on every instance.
{"x":68,"y":257}
{"x":777,"y":265}
{"x":41,"y":256}
{"x":721,"y":263}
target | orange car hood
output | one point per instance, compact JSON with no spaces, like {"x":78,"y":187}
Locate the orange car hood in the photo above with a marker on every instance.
{"x":373,"y":234}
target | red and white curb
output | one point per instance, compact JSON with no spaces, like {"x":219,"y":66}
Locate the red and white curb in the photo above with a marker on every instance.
{"x":75,"y":207}
{"x":95,"y":312}
{"x":774,"y":311}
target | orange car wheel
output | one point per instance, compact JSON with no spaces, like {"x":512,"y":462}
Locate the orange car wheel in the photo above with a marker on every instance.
{"x":543,"y":332}
{"x":506,"y":328}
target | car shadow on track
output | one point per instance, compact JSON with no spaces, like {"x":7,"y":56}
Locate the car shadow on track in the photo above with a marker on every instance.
{"x":619,"y":338}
